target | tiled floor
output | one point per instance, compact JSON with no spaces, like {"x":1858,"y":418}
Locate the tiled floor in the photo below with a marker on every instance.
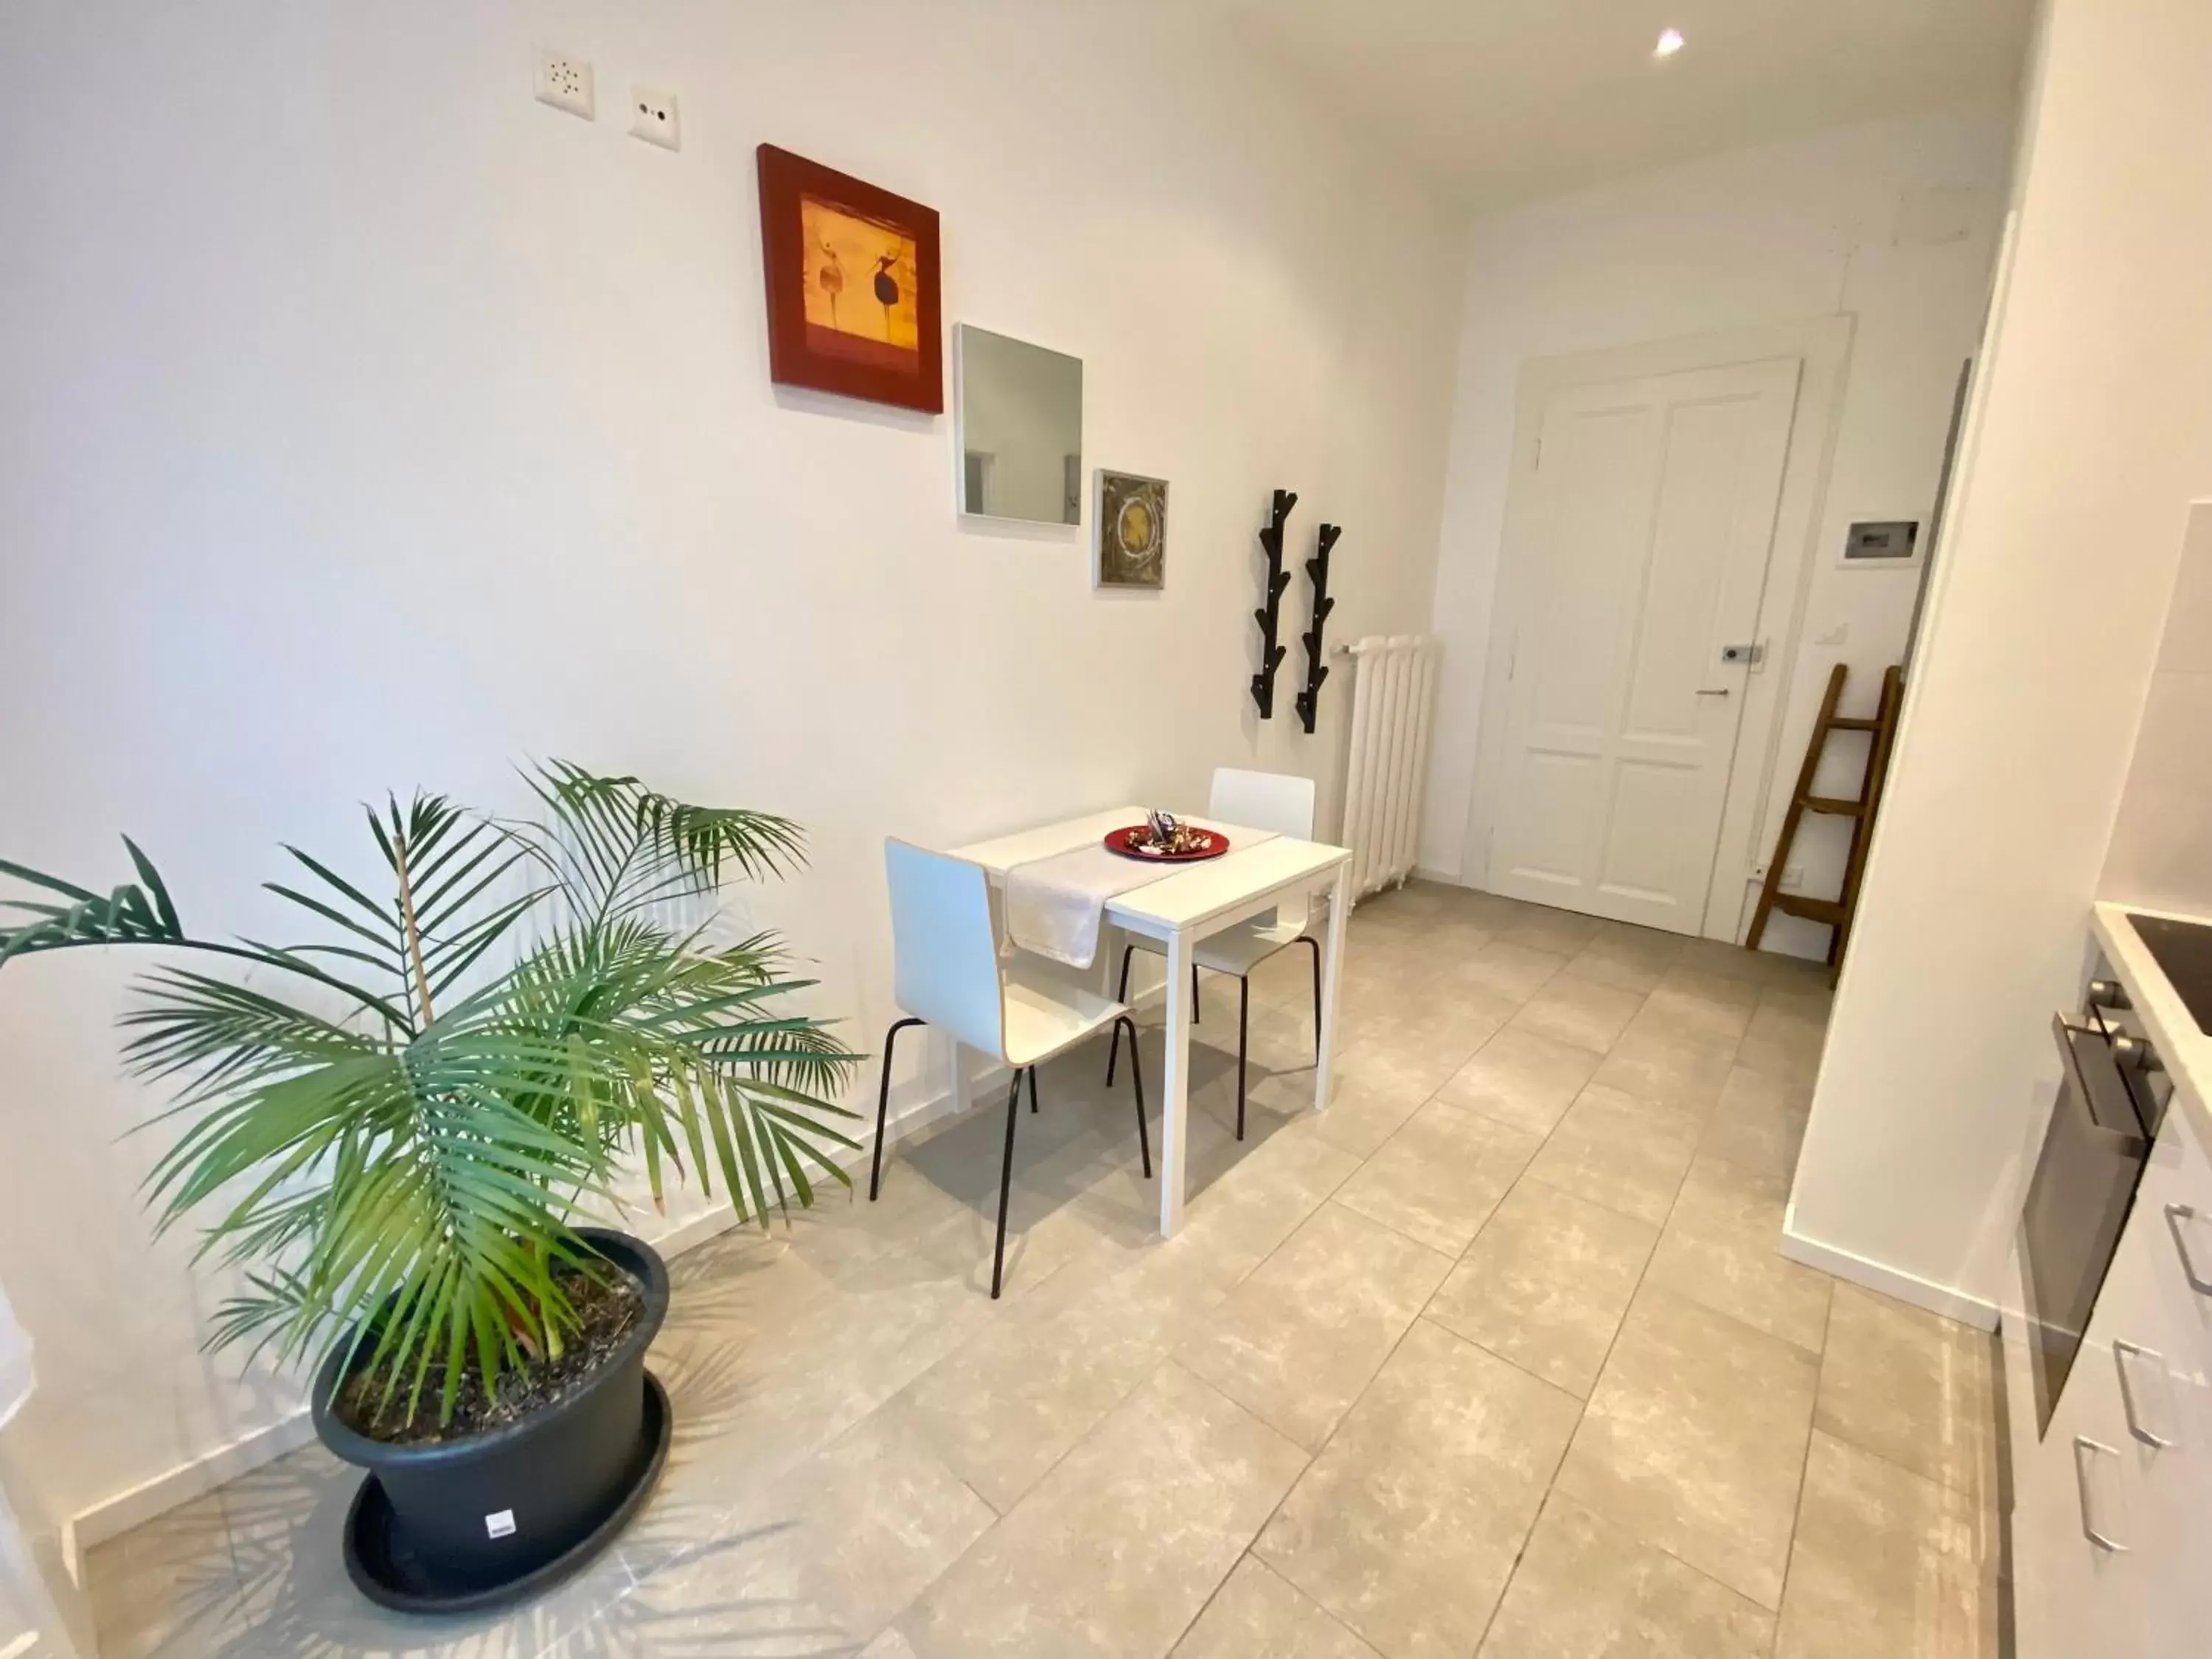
{"x":1494,"y":1356}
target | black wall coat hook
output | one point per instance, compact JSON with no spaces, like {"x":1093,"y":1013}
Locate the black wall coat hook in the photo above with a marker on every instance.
{"x":1308,"y":701}
{"x":1269,"y":615}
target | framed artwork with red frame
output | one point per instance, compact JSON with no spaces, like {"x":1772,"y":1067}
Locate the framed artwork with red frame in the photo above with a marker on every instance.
{"x":854,"y":302}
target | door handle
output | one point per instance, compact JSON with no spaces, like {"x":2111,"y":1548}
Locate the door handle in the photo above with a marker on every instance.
{"x":2122,"y":1352}
{"x":2090,"y":1529}
{"x":2175,"y":1215}
{"x":1723,"y":692}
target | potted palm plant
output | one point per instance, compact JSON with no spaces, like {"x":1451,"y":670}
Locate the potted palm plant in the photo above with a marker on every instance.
{"x":396,"y":1129}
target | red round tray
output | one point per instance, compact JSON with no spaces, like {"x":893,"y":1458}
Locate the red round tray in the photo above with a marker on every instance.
{"x":1124,"y":842}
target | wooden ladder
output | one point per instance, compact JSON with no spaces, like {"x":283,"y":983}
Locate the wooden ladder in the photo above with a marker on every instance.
{"x":1834,"y":913}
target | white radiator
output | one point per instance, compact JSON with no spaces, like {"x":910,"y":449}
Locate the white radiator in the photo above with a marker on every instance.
{"x":1393,"y":699}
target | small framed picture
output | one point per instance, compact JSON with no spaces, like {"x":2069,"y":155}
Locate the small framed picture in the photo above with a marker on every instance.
{"x":1129,"y":531}
{"x":853,"y":287}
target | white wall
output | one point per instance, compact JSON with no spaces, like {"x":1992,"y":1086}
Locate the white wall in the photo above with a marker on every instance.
{"x":2161,"y":855}
{"x":1893,"y":222}
{"x":2093,"y":433}
{"x":366,"y":424}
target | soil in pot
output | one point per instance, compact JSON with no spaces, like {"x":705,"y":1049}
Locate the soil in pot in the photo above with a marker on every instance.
{"x":608,"y":1306}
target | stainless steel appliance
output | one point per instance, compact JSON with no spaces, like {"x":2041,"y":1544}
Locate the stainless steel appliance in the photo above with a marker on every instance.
{"x":2110,"y":1100}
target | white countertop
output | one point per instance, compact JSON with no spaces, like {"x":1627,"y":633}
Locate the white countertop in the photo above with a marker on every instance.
{"x":2185,"y":1049}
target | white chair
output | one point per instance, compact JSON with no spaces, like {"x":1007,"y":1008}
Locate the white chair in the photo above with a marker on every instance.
{"x":1262,"y":800}
{"x":948,"y":973}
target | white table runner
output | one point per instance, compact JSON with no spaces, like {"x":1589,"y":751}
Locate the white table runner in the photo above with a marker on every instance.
{"x":1055,"y":905}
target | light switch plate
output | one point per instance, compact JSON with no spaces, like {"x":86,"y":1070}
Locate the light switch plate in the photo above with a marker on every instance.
{"x":653,"y":117}
{"x":565,"y":83}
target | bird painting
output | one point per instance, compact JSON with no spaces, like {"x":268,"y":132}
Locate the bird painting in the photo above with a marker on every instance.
{"x":832,"y":278}
{"x":887,"y":287}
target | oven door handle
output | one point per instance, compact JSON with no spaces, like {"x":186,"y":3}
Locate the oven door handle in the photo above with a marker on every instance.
{"x":2077,"y":1086}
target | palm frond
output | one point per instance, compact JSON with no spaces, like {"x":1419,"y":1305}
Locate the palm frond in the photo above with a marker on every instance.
{"x":623,"y":847}
{"x":135,"y":912}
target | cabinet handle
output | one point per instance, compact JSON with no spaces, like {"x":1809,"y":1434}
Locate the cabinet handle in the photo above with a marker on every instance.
{"x":2089,"y":1530}
{"x":2122,"y":1352}
{"x":2175,"y":1215}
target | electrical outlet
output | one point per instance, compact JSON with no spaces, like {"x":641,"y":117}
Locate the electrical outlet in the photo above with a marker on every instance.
{"x":565,"y":83}
{"x":1793,"y":878}
{"x":653,"y":117}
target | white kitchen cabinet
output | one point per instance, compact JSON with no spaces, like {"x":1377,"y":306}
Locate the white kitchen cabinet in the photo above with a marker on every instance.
{"x":2128,"y":1457}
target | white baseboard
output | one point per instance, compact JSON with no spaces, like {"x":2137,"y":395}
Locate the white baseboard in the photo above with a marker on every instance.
{"x":113,"y":1517}
{"x":1429,"y":873}
{"x":1944,"y":1299}
{"x":116,"y":1516}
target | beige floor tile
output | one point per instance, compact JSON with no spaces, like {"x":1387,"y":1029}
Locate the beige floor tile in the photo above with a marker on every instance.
{"x":1757,"y":1123}
{"x":1545,"y":1283}
{"x":1438,"y":1178}
{"x":1665,"y":1070}
{"x":1783,"y":1042}
{"x":1580,"y":1011}
{"x":1885,"y":1562}
{"x":1433,"y":1030}
{"x":1372,"y":1092}
{"x":832,"y":1552}
{"x":1721,"y":1248}
{"x":1805,"y":1003}
{"x":1259,"y":1615}
{"x":891,"y":1644}
{"x":748,"y":1411}
{"x":1298,"y":1340}
{"x":1563,"y":932}
{"x":1631,"y":959}
{"x":1508,"y":968}
{"x":1693,"y":1006}
{"x":1912,"y":1386}
{"x":1523,"y":1080}
{"x":1006,"y":1406}
{"x":1627,"y":1154}
{"x":1408,"y":1526}
{"x":1236,"y":1220}
{"x":1711,"y":956}
{"x":1116,"y":1550}
{"x":1791,"y":1062}
{"x":1588,"y":1590}
{"x":1694,"y":1441}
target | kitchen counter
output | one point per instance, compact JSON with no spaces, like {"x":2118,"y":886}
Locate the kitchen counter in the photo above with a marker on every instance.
{"x":2185,"y":1049}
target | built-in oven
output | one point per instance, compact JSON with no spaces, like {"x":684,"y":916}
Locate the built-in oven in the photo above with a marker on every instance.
{"x":2111,"y":1097}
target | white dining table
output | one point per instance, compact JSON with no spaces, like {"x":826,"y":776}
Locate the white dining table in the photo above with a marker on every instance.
{"x":1186,"y":903}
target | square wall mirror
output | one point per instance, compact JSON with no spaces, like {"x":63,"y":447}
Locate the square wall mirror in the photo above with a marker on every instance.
{"x":1018,"y":420}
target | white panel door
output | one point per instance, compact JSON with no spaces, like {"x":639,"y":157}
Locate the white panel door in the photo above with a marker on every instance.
{"x":1641,"y":553}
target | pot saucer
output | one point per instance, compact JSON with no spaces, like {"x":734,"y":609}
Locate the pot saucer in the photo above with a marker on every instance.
{"x":388,"y":1572}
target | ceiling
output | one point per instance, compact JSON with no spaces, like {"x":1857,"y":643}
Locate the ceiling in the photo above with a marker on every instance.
{"x":1503,"y":101}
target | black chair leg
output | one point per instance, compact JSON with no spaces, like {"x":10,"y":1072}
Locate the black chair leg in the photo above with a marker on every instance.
{"x":1137,"y":1082}
{"x":1243,"y":1016}
{"x":1122,"y":995}
{"x":1197,"y":1013}
{"x":1314,"y":943}
{"x":882,"y":1104}
{"x":1032,"y":1091}
{"x":1006,"y":1183}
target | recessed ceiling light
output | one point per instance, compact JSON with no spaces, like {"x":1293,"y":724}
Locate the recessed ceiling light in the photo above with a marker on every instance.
{"x":1670,"y":42}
